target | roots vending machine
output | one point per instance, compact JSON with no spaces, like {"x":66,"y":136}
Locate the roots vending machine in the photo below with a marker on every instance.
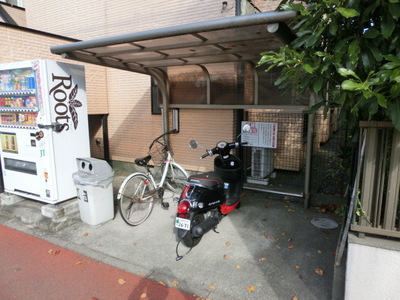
{"x":43,"y":128}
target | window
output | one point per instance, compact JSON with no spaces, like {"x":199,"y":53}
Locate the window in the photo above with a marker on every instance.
{"x":155,"y":95}
{"x":19,"y":3}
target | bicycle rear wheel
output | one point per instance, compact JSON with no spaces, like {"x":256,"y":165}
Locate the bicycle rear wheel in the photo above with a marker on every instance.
{"x":135,"y":199}
{"x":176,"y":178}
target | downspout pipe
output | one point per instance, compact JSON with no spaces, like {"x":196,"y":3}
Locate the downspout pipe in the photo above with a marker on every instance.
{"x":238,"y":7}
{"x":104,"y":125}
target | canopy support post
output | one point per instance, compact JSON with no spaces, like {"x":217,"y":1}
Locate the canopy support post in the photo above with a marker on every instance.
{"x":163,"y":87}
{"x":310,"y":136}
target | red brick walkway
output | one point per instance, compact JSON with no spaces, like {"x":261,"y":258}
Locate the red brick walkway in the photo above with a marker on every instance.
{"x":31,"y":268}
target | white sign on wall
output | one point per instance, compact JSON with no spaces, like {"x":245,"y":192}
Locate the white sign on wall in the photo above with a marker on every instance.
{"x":260,"y":134}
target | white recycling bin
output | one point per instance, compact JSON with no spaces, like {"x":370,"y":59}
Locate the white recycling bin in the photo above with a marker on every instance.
{"x":93,"y":182}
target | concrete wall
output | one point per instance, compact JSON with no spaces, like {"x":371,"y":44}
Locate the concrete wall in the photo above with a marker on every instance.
{"x":372,"y":269}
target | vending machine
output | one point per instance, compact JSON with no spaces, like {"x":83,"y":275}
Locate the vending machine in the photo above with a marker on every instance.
{"x":43,"y":128}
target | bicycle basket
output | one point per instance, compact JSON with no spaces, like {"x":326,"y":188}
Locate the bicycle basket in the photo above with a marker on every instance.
{"x":158,"y":153}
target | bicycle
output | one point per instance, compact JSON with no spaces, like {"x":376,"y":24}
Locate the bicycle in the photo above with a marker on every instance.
{"x":139,"y":191}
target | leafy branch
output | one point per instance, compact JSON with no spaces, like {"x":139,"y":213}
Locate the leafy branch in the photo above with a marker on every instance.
{"x":348,"y":53}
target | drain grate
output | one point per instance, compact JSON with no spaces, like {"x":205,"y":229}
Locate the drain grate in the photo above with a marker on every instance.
{"x":324,"y":223}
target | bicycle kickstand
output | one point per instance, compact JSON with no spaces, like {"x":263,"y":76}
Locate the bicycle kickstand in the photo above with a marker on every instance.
{"x":164,"y":205}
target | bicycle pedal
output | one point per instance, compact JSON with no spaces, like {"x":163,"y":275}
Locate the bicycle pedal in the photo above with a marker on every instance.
{"x":175,"y":199}
{"x":161,"y":192}
{"x":165,"y":205}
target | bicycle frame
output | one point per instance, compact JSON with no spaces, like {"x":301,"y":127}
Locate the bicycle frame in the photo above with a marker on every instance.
{"x":167,"y":163}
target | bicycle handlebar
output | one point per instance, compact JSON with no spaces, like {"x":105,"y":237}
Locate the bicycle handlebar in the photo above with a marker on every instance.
{"x":173,"y":131}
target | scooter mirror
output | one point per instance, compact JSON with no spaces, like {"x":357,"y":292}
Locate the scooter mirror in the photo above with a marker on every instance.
{"x":193,"y":144}
{"x":246,"y":128}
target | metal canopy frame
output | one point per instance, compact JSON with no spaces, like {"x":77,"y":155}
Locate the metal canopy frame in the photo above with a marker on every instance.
{"x":233,"y":39}
{"x":152,"y":52}
{"x":240,"y":38}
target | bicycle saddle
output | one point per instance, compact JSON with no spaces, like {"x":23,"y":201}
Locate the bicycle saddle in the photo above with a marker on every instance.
{"x":142,"y":161}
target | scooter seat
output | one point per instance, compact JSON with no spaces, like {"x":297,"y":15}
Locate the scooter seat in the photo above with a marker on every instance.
{"x":208,"y":180}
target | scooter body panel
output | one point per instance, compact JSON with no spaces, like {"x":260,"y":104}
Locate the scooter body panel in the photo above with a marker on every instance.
{"x":230,"y":170}
{"x":204,"y":192}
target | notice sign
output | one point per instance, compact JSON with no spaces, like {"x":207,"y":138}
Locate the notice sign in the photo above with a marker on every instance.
{"x":260,"y":134}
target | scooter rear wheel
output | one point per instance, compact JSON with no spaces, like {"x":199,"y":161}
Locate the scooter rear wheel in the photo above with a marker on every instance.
{"x":189,"y":240}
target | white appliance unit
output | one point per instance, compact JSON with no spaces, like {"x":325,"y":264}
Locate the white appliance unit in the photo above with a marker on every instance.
{"x":43,"y":128}
{"x":262,"y":162}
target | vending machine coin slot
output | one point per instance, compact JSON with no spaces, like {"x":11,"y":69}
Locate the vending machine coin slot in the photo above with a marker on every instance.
{"x":38,"y":135}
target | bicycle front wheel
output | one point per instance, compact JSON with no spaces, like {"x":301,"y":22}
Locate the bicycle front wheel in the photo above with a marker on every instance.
{"x":176,"y":178}
{"x":135,"y":199}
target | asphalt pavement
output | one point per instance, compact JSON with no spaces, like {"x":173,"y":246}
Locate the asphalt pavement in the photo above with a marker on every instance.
{"x":270,"y":248}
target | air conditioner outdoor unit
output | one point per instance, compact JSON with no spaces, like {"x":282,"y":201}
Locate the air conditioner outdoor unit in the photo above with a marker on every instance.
{"x":262,"y":162}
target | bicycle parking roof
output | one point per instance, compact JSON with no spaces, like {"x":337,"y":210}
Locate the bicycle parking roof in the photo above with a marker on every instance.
{"x":233,"y":39}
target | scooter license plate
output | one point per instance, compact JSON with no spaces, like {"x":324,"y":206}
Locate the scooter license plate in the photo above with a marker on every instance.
{"x":182,"y":223}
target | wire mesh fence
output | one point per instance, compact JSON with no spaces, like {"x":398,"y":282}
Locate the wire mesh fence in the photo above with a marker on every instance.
{"x":282,"y":170}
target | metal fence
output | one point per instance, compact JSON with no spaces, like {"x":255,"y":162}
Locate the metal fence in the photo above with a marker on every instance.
{"x":376,"y":191}
{"x":282,"y":170}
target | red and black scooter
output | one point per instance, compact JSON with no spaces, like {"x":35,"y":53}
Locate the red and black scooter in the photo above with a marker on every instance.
{"x":210,"y":196}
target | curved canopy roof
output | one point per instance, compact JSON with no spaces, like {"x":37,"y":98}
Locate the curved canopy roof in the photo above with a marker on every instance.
{"x":233,"y":39}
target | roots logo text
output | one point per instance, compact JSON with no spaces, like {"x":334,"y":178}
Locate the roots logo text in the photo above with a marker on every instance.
{"x":66,"y":103}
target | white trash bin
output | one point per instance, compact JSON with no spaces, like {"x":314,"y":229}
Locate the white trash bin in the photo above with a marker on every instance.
{"x":93,"y":182}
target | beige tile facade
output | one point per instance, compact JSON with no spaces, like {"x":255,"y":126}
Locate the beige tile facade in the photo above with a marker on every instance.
{"x":18,"y":45}
{"x":126,"y":96}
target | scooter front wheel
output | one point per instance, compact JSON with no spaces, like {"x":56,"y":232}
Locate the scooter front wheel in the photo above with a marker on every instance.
{"x":188,"y":239}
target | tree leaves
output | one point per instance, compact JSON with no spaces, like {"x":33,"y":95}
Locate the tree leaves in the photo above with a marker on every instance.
{"x":348,"y":44}
{"x":388,"y":25}
{"x":347,"y":72}
{"x":319,"y":272}
{"x":395,"y":113}
{"x":351,"y":85}
{"x":348,"y":12}
{"x":371,"y":33}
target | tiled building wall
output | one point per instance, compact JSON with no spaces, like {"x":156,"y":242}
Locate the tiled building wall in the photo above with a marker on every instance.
{"x":17,"y":45}
{"x":95,"y":19}
{"x":131,"y":125}
{"x":16,"y":13}
{"x":266,"y":5}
